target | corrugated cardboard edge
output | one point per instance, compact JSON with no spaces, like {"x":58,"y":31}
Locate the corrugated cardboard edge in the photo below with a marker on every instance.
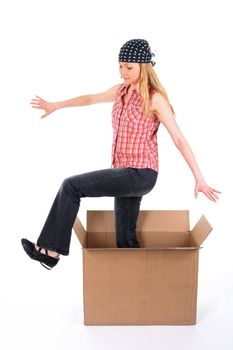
{"x":147,"y":248}
{"x":80,"y":232}
{"x":200,"y":231}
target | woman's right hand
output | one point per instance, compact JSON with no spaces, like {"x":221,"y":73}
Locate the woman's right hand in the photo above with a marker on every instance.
{"x":49,"y":107}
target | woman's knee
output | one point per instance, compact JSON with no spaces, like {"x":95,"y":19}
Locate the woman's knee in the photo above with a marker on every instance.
{"x":68,"y":187}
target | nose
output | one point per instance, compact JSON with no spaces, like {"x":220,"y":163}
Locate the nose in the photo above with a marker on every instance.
{"x":123,"y":73}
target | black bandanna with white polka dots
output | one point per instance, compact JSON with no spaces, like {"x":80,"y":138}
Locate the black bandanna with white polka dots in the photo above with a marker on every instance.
{"x":136,"y":50}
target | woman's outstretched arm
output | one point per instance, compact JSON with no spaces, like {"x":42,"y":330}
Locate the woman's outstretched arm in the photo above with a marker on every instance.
{"x":84,"y":100}
{"x":162,"y":110}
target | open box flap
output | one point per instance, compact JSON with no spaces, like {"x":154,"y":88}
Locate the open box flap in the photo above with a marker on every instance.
{"x":163,"y":220}
{"x":148,"y":220}
{"x":100,"y":221}
{"x":80,"y":232}
{"x":200,"y":231}
{"x":145,"y":249}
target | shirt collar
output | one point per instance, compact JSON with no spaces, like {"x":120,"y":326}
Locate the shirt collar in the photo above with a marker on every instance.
{"x":125,"y":89}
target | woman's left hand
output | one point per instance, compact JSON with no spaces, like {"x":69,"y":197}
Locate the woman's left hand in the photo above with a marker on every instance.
{"x":201,"y":186}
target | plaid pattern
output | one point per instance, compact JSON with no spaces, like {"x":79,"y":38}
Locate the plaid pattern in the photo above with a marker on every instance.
{"x":134,"y":138}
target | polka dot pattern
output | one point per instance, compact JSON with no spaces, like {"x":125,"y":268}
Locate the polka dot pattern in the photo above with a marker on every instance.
{"x":136,"y":50}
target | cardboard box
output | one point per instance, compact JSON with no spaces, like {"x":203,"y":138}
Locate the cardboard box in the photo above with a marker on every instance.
{"x":155,"y":284}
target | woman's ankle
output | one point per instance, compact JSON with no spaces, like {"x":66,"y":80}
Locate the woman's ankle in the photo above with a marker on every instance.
{"x":50,"y":252}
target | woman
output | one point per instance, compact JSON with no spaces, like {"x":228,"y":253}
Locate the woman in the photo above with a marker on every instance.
{"x":140,"y":104}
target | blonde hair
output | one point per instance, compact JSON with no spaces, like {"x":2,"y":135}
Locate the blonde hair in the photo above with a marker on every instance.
{"x":147,"y":78}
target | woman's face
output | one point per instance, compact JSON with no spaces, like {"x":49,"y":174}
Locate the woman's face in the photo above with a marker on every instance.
{"x":130,"y":72}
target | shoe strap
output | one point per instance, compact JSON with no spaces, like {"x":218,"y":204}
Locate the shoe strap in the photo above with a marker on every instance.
{"x":45,"y":266}
{"x":46,"y":251}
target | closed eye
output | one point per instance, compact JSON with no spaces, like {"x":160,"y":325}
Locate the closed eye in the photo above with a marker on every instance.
{"x":127,"y":67}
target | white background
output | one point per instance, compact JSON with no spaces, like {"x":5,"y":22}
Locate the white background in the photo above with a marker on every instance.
{"x":62,"y":49}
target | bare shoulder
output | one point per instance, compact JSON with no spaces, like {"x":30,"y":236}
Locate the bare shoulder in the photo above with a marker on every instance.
{"x":160,"y":106}
{"x":106,"y":96}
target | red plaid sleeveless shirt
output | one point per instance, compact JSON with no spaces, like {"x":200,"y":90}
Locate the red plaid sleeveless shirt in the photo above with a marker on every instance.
{"x":134,"y":138}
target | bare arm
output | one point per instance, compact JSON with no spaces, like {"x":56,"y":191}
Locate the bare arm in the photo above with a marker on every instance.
{"x":84,"y":100}
{"x":162,"y":110}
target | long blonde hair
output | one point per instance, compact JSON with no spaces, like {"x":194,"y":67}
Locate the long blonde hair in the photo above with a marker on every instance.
{"x":147,"y":78}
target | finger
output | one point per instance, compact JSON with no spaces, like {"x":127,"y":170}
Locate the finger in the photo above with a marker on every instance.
{"x":212,"y":193}
{"x":35,"y":103}
{"x":39,"y":97}
{"x":215,"y":196}
{"x":40,"y":104}
{"x":209,"y":196}
{"x":215,"y":190}
{"x":36,"y":107}
{"x":195,"y":192}
{"x":45,"y":115}
{"x":212,"y":198}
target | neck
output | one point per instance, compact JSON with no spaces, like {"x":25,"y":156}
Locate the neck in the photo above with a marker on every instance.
{"x":134,"y":86}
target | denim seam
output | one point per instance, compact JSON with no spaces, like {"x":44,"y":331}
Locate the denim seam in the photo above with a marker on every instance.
{"x":104,"y":178}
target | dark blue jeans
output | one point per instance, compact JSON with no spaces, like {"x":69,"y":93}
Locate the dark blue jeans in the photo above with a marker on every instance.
{"x":127,"y":185}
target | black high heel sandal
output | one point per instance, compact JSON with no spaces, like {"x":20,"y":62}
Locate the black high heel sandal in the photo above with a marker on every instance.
{"x":46,"y":260}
